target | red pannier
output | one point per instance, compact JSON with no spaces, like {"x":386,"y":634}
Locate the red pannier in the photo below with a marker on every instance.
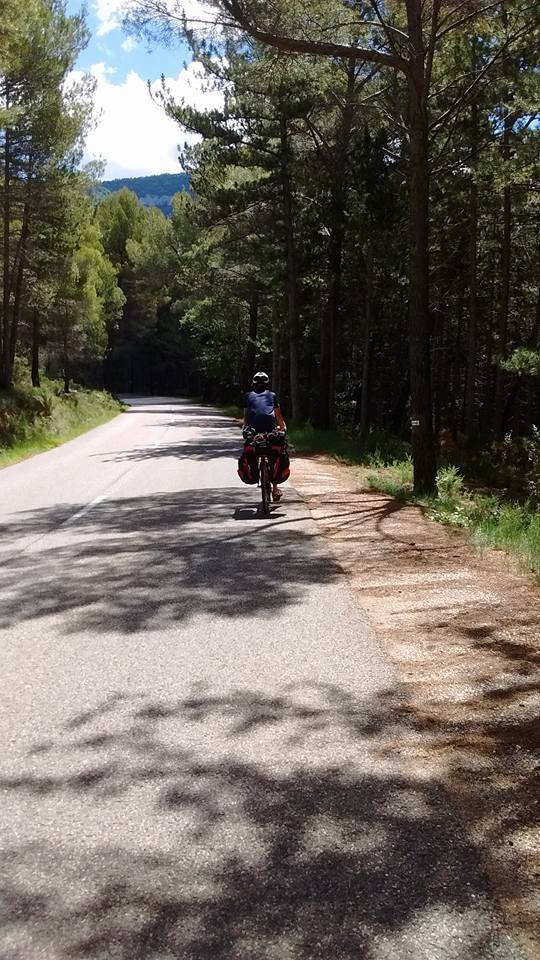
{"x":280,"y":464}
{"x":248,"y":467}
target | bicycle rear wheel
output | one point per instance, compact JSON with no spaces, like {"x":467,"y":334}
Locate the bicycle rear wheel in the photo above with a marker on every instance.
{"x":265,"y":487}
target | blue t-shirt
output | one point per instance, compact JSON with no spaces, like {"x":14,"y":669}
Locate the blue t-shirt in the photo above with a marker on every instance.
{"x":260,"y":409}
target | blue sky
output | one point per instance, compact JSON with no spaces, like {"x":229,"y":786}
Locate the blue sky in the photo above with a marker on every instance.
{"x":150,"y":64}
{"x":132,"y":135}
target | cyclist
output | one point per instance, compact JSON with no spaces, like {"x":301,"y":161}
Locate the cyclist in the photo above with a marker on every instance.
{"x":262,"y":412}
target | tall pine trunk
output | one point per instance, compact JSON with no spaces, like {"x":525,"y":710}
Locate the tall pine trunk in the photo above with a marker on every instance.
{"x":276,"y":351}
{"x":330,"y":317}
{"x":36,"y":332}
{"x":470,"y":392}
{"x":6,"y":365}
{"x":366,"y":346}
{"x":291,"y":281}
{"x":506,"y":253}
{"x":423,"y":440}
{"x":325,"y":413}
{"x":18,"y":291}
{"x":251,"y":349}
{"x":504,"y":301}
{"x":19,"y":267}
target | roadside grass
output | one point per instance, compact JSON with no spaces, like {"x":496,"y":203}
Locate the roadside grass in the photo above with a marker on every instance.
{"x":384,"y":463}
{"x":489,"y":519}
{"x":33,"y":420}
{"x":231,"y":410}
{"x":379,"y":448}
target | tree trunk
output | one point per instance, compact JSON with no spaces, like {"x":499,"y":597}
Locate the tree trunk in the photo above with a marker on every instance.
{"x":276,"y":351}
{"x":506,"y":252}
{"x":399,"y":409}
{"x":65,"y":355}
{"x":291,"y":284}
{"x":17,"y":299}
{"x":457,"y":390}
{"x":6,"y":365}
{"x":251,"y":349}
{"x":364,"y":420}
{"x":423,"y":441}
{"x":35,"y":349}
{"x":486,"y":408}
{"x":470,"y":392}
{"x":325,"y":415}
{"x":20,"y":265}
{"x":502,"y":327}
{"x":366,"y":351}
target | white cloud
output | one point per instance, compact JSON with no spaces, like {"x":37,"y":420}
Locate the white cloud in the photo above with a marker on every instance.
{"x":129,"y":44}
{"x":110,"y":12}
{"x":109,"y":15}
{"x":133,"y":134}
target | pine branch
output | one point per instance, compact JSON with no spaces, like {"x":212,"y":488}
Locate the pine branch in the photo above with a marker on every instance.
{"x":467,"y":18}
{"x":461,"y":101}
{"x":311,"y":47}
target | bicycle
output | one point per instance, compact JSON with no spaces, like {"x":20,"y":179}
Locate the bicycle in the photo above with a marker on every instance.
{"x":262,"y":444}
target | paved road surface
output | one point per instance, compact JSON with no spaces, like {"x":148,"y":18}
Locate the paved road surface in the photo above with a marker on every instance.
{"x":199,"y":758}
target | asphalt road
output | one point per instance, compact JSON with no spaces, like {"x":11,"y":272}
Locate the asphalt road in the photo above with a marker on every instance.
{"x":200,"y":752}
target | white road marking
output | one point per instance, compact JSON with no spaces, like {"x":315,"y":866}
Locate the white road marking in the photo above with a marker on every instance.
{"x":85,"y":510}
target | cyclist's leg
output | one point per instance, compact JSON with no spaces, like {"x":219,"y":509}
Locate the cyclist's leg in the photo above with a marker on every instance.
{"x":276,"y":492}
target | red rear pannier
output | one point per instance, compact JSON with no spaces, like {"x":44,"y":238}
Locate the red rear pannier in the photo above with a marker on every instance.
{"x":248,"y":467}
{"x":280,"y":463}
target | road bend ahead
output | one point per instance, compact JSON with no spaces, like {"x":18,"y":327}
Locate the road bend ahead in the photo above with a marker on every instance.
{"x":199,"y":756}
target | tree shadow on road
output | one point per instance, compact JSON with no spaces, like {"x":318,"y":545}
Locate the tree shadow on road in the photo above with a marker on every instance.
{"x":148,"y":561}
{"x":305,"y":859}
{"x":199,"y":448}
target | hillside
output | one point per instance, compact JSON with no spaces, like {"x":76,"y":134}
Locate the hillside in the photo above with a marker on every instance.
{"x":153,"y":191}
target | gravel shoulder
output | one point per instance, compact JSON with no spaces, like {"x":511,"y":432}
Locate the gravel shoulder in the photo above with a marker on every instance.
{"x":462,"y":630}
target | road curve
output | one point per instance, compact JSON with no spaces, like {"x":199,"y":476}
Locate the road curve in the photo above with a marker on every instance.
{"x":199,"y":755}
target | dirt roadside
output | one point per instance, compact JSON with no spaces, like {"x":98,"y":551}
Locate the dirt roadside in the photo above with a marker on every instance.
{"x":463,"y":631}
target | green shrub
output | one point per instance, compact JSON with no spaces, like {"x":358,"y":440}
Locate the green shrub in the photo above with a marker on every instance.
{"x":449,"y":483}
{"x":532,"y":449}
{"x":34,"y":419}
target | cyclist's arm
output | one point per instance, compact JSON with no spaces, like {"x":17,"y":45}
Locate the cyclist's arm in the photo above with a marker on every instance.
{"x":245,"y":417}
{"x":279,"y":417}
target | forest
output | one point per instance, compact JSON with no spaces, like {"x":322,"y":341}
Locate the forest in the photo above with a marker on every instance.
{"x":363,"y":221}
{"x":154,"y":191}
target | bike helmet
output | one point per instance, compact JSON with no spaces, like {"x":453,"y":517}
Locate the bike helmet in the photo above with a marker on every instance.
{"x":261,"y":377}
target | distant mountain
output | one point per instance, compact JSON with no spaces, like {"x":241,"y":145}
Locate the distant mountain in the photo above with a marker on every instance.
{"x":156,"y":191}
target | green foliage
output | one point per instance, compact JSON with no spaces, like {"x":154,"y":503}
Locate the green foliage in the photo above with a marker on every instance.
{"x":522,"y":361}
{"x":121,"y":218}
{"x":43,"y":203}
{"x":489,"y":520}
{"x":32,"y":420}
{"x":305,"y":438}
{"x":88,"y":299}
{"x":532,"y":449}
{"x":449,"y":483}
{"x":514,"y":528}
{"x":378,"y":449}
